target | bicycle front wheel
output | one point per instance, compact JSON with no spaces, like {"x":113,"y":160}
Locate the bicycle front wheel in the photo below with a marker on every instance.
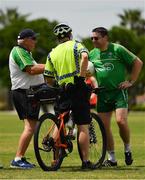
{"x":98,"y":141}
{"x":49,"y":156}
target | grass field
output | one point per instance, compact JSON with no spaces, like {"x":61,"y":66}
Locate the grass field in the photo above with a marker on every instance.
{"x":11,"y":127}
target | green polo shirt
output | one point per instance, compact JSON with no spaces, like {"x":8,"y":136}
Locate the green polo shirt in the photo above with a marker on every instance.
{"x":19,"y":59}
{"x":110,"y":65}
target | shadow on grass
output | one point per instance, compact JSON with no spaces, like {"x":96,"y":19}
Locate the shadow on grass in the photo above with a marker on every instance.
{"x":19,"y":169}
{"x":118,"y":168}
{"x":78,"y":168}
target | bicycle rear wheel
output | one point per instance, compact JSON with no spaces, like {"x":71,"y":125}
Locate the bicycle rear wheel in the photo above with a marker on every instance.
{"x":98,"y":141}
{"x":44,"y":143}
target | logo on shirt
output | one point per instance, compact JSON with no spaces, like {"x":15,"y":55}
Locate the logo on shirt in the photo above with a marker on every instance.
{"x":110,"y":55}
{"x":108,"y":66}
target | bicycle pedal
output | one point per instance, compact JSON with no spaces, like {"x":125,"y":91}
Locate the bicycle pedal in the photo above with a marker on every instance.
{"x":70,"y":137}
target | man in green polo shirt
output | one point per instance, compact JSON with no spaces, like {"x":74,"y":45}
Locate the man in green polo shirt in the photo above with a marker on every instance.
{"x":110,"y":61}
{"x":67,"y":64}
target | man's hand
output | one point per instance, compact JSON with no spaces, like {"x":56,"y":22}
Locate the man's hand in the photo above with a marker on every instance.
{"x":125,"y":84}
{"x":35,"y":69}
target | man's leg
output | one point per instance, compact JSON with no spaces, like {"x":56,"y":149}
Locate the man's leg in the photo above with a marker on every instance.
{"x":25,"y":138}
{"x":106,"y":118}
{"x":121,"y":117}
{"x":83,"y":139}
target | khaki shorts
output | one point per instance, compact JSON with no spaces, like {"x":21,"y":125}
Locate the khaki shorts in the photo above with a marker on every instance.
{"x":111,"y":100}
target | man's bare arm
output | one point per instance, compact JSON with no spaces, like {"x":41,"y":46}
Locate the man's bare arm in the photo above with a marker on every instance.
{"x":35,"y":69}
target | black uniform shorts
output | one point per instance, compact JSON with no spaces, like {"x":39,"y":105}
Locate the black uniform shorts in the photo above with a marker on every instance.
{"x":25,"y":108}
{"x":77,"y":99}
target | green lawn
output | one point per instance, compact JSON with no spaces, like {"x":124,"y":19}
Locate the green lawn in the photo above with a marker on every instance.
{"x":11,"y":127}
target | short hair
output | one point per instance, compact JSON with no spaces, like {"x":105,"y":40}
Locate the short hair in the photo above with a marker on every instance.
{"x":103,"y":31}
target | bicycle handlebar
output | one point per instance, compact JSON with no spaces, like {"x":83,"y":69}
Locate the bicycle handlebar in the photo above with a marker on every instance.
{"x":96,"y":90}
{"x":46,"y":93}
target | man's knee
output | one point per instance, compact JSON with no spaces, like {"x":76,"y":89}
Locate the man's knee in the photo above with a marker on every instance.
{"x":30,"y":127}
{"x":122,"y":121}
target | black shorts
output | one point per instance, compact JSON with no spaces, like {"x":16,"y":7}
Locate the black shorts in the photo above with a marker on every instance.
{"x":77,"y":100}
{"x":25,"y":108}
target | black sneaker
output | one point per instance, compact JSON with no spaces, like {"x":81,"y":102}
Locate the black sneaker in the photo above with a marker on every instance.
{"x":108,"y":163}
{"x":128,"y":158}
{"x":88,"y":165}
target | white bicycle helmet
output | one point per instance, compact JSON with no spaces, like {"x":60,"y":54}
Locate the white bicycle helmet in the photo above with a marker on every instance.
{"x":61,"y":30}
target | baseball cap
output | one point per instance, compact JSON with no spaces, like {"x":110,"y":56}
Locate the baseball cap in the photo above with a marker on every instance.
{"x":27,"y":33}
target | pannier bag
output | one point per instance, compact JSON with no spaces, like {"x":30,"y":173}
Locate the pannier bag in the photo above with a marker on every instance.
{"x":42,"y":92}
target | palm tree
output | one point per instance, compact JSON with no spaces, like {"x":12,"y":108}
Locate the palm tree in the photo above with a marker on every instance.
{"x":132,"y":19}
{"x":11,"y":15}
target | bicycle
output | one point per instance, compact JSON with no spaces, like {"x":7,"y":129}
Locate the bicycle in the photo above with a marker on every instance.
{"x":51,"y":148}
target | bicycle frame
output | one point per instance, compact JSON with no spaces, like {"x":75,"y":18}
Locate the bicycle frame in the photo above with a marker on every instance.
{"x":58,"y":140}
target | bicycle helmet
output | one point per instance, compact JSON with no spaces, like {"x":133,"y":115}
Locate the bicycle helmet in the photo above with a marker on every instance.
{"x":62,"y":30}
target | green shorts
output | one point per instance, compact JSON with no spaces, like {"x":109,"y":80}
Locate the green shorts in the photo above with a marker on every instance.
{"x":111,"y":100}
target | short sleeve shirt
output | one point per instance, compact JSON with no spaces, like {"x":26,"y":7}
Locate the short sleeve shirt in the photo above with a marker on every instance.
{"x":19,"y":59}
{"x":110,"y":65}
{"x":63,"y":62}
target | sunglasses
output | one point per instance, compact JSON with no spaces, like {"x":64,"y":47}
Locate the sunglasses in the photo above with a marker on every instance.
{"x":33,"y":38}
{"x":95,"y":38}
